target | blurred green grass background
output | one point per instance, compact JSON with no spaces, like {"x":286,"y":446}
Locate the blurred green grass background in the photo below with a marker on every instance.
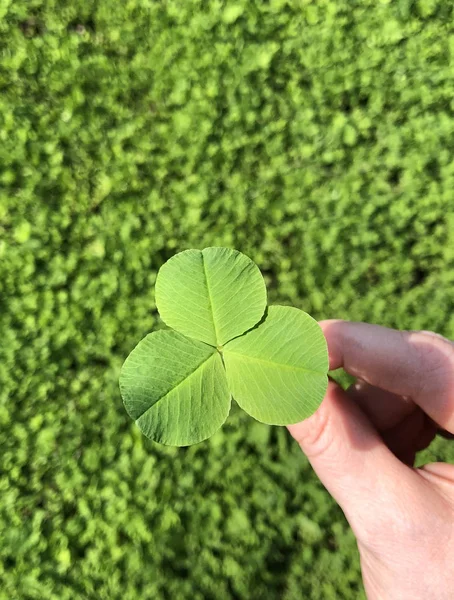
{"x":318,"y":138}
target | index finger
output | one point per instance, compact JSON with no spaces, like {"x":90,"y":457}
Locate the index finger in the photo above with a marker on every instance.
{"x":417,"y":364}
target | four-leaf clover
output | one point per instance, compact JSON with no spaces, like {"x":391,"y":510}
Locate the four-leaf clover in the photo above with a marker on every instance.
{"x":177,"y":384}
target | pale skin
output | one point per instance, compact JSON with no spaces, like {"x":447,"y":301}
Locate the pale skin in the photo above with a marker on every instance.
{"x":362,"y":444}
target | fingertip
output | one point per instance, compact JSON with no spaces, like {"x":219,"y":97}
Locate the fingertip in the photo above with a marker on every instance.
{"x":331,"y":330}
{"x":327,"y":324}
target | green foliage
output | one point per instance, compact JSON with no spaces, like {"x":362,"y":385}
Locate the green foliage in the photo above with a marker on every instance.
{"x":275,"y":363}
{"x":316,"y":137}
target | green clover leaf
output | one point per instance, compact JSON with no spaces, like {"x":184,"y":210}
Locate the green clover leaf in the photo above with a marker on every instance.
{"x":211,"y":295}
{"x":177,"y":383}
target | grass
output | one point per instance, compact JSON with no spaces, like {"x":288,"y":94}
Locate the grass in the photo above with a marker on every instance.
{"x":315,"y":137}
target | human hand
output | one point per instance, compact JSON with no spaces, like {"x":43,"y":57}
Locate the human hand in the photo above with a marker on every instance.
{"x":362,"y":444}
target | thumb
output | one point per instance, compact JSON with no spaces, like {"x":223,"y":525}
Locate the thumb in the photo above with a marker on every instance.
{"x":351,"y":459}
